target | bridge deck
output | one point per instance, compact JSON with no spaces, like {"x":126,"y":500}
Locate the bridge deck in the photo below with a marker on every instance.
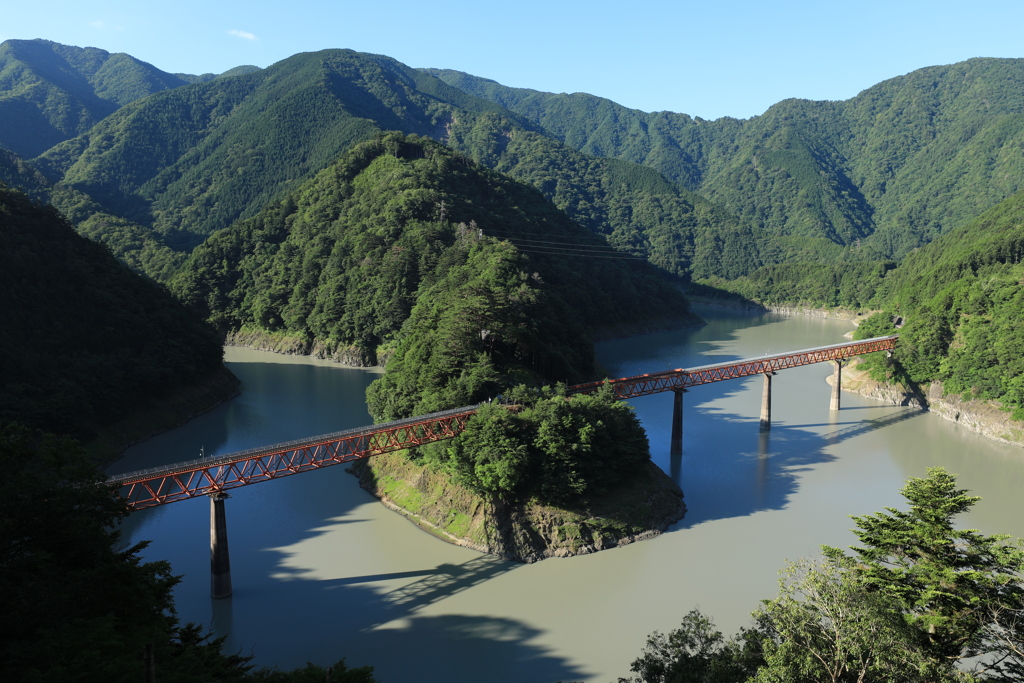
{"x":160,"y":485}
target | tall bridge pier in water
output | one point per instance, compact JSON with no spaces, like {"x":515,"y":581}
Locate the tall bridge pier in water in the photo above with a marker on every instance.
{"x":214,"y":476}
{"x":766,"y":403}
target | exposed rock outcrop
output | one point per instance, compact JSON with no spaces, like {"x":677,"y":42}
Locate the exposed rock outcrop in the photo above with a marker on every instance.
{"x":985,"y":417}
{"x":524,"y":532}
{"x":294,"y":345}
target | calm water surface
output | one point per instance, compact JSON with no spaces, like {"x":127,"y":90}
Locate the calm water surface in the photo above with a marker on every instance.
{"x":322,"y":571}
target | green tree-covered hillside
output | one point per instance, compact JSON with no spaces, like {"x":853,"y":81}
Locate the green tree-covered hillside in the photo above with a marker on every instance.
{"x":190,"y":161}
{"x":868,"y":178}
{"x":405,"y":249}
{"x":86,"y":342}
{"x":51,"y":92}
{"x":959,"y":304}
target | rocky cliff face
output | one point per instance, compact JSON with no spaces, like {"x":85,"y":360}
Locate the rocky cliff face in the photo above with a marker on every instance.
{"x":523,"y":532}
{"x":289,"y":344}
{"x":985,"y":417}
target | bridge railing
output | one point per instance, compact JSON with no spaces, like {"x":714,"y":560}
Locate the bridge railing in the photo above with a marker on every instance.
{"x":227,"y":458}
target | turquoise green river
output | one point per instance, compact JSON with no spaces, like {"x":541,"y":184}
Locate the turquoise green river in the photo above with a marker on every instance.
{"x":322,"y":571}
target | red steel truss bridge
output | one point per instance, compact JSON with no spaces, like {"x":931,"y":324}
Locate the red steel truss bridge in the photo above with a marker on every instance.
{"x":160,"y":485}
{"x":684,"y":378}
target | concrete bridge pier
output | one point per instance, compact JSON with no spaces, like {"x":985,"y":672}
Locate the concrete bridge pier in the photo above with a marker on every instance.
{"x":837,"y":384}
{"x":766,"y":402}
{"x":220,"y":563}
{"x":676,"y":447}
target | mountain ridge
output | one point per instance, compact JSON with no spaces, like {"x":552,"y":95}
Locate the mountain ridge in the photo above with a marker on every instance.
{"x":858,"y":171}
{"x":50,"y":92}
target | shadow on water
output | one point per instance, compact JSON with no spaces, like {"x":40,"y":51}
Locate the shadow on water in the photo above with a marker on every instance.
{"x":320,"y":572}
{"x":471,"y":649}
{"x":302,"y":592}
{"x":288,"y":609}
{"x":449,"y":647}
{"x":368,"y":617}
{"x":318,"y":575}
{"x":748,"y":470}
{"x":728,"y":467}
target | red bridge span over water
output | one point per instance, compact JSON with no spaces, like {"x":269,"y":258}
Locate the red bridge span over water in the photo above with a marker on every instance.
{"x":206,"y":476}
{"x":214,"y":476}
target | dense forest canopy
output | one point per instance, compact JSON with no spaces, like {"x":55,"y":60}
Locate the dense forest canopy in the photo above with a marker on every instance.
{"x":85,"y":341}
{"x":51,"y":92}
{"x":815,"y":203}
{"x":406,"y":250}
{"x":863,"y":179}
{"x":183,"y":163}
{"x":867,"y":179}
{"x":959,"y":303}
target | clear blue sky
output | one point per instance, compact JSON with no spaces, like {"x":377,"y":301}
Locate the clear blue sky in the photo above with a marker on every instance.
{"x":702,"y":58}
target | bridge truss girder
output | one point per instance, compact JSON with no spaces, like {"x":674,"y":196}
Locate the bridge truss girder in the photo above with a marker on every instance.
{"x":684,"y":378}
{"x":149,"y":489}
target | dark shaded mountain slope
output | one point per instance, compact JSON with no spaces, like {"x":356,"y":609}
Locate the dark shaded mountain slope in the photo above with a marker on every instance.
{"x":86,"y":342}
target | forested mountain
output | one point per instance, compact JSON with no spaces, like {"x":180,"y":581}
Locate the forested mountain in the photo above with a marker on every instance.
{"x":860,"y":181}
{"x":51,"y":92}
{"x":136,"y":246}
{"x":187,"y":162}
{"x":849,"y":192}
{"x":408,"y":250}
{"x":868,"y":178}
{"x":813,"y":201}
{"x":959,"y":303}
{"x":86,"y":342}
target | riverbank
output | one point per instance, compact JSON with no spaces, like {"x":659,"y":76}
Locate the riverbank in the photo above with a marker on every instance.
{"x":314,"y":556}
{"x":737,"y":304}
{"x":523,"y":532}
{"x":356,"y":357}
{"x":984,"y":417}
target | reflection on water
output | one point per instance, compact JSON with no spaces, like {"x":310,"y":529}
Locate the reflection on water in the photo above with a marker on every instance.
{"x":321,"y":570}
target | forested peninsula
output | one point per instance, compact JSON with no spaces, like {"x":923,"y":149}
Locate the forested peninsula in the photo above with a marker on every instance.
{"x":407,"y":253}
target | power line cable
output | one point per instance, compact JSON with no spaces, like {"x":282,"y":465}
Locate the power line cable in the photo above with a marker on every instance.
{"x":556,"y":252}
{"x":607,"y":248}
